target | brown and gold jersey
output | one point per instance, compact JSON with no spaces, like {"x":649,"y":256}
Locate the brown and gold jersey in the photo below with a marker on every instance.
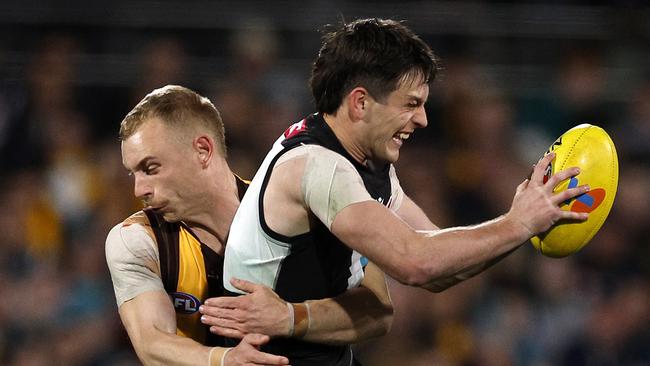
{"x":147,"y":253}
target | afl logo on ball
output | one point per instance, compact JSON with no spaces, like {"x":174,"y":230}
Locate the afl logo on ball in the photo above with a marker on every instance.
{"x":184,"y":303}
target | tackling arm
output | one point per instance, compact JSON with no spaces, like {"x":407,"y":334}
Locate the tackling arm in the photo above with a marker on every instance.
{"x":150,"y":321}
{"x":149,"y":316}
{"x":356,"y":315}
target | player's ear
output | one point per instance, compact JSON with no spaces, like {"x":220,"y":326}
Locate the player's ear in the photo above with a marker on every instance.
{"x":357,"y":101}
{"x":204,"y":146}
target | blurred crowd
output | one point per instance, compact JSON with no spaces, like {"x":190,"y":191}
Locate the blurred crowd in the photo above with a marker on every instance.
{"x":63,"y":187}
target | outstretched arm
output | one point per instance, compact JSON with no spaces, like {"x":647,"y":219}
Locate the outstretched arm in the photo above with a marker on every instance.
{"x":358,"y":314}
{"x":413,"y":215}
{"x":424,"y":259}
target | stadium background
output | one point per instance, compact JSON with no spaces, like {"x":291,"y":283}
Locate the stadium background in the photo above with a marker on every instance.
{"x":516,"y":75}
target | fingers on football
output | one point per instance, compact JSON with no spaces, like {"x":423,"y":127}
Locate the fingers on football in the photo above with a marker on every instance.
{"x":540,"y":168}
{"x":570,"y":193}
{"x":560,"y":176}
{"x":574,"y":216}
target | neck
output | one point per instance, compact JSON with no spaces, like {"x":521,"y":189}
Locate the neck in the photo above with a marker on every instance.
{"x":345,"y":136}
{"x":211,"y":223}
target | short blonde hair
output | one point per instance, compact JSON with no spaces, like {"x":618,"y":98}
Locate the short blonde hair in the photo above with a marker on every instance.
{"x":178,"y":107}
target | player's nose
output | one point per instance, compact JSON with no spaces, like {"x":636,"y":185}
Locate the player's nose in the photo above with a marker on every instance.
{"x":142,"y":189}
{"x":420,"y":117}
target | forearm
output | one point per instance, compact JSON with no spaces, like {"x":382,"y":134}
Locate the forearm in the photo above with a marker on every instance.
{"x":417,"y":258}
{"x":465,"y":251}
{"x":150,"y":322}
{"x":171,"y":349}
{"x":354,"y":316}
{"x":447,"y":282}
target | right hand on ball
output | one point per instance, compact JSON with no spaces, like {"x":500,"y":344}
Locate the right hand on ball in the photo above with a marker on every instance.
{"x":536,"y":207}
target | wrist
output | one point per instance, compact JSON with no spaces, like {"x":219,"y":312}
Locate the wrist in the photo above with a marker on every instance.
{"x":301,"y":319}
{"x":520,"y":231}
{"x":217,"y":356}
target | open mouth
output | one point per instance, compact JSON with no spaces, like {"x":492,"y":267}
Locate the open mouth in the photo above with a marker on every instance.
{"x":400,"y":137}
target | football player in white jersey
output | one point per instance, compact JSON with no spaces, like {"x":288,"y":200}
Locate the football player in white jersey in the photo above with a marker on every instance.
{"x":326,"y":197}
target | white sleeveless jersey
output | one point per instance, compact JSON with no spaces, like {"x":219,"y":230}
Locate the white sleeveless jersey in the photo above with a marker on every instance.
{"x":316,"y":264}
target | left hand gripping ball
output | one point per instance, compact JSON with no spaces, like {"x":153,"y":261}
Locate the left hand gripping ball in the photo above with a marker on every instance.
{"x":591,"y":149}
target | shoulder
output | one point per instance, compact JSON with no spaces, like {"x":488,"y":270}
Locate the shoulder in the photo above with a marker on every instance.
{"x":132,"y":238}
{"x":316,"y":158}
{"x":132,"y":258}
{"x":312,"y":151}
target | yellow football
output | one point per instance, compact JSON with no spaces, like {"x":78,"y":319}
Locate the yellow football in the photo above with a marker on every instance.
{"x":591,"y":149}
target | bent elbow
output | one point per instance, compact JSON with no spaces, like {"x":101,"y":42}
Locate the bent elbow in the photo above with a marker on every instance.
{"x":150,"y":353}
{"x":414,"y":273}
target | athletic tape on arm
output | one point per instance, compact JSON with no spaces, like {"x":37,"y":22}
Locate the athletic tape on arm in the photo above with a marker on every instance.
{"x":132,"y":258}
{"x":330,"y":183}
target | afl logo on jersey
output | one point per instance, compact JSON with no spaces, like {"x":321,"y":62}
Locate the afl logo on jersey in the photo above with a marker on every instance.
{"x":185,"y":303}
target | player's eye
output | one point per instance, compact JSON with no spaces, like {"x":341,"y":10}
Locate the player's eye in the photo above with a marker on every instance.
{"x":151,"y":169}
{"x":413,"y":104}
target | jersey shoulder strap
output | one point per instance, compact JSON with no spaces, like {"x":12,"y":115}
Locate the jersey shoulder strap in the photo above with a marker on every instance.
{"x":167,"y":239}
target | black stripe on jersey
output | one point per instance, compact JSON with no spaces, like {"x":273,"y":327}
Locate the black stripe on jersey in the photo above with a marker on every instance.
{"x":167,"y":236}
{"x":214,"y":272}
{"x":275,"y":235}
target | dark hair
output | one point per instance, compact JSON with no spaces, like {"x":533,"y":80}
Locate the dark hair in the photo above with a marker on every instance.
{"x":176,"y":106}
{"x":373,"y":53}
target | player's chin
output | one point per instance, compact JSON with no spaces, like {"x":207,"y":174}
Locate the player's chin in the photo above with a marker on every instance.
{"x":391,"y":154}
{"x":170,"y":216}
